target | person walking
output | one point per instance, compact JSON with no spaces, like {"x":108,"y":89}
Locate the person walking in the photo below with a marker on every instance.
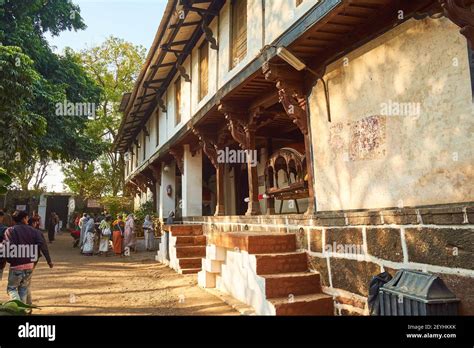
{"x":149,"y":233}
{"x":52,"y":227}
{"x":35,"y":220}
{"x":82,"y":226}
{"x":105,"y":231}
{"x":129,"y":236}
{"x":88,"y":244}
{"x":118,"y":229}
{"x":25,"y":237}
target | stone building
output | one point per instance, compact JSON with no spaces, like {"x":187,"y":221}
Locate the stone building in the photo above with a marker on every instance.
{"x":308,"y":145}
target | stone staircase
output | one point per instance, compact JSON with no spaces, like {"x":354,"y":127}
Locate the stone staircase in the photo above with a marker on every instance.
{"x":187,"y":247}
{"x":265,"y":271}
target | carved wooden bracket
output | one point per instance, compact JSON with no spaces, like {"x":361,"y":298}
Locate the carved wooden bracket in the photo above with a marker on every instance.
{"x":148,"y":179}
{"x":138,"y":187}
{"x":132,"y":188}
{"x":142,"y":182}
{"x":241,"y":122}
{"x":461,"y":13}
{"x":290,"y":91}
{"x":208,"y":145}
{"x":178,"y":154}
{"x":236,"y":122}
{"x":289,"y":84}
{"x":155,"y":169}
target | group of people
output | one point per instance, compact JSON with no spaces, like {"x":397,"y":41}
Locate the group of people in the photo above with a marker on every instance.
{"x":17,"y":231}
{"x":99,"y":234}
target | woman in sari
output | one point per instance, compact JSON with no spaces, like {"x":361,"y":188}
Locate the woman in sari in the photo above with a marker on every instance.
{"x":88,"y":245}
{"x":106,"y":231}
{"x":149,"y":233}
{"x":118,"y":228}
{"x":129,"y":237}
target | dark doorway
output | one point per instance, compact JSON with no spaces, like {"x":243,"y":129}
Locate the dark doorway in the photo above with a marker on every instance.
{"x":60,"y":205}
{"x":242,"y":188}
{"x":209,"y":187}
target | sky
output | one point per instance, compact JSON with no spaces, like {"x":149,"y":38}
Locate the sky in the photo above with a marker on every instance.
{"x":133,"y":20}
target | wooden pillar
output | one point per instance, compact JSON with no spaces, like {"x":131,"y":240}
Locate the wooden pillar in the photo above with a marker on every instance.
{"x":210,"y":146}
{"x":156,"y":175}
{"x":220,"y":205}
{"x":270,"y":202}
{"x":461,"y":13}
{"x":242,"y":126}
{"x":254,"y":204}
{"x":289,"y":84}
{"x":178,"y":154}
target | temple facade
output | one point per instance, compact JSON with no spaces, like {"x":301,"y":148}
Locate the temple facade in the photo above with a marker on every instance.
{"x":307,"y":146}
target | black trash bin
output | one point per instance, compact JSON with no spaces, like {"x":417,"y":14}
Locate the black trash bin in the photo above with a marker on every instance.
{"x":412,"y":293}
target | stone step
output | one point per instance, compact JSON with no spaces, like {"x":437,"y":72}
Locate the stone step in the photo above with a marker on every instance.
{"x":184,"y":230}
{"x":190,"y":240}
{"x":281,"y":263}
{"x":189,"y":270}
{"x":190,"y":251}
{"x":312,"y":304}
{"x":256,"y":243}
{"x":190,"y":262}
{"x":291,"y":284}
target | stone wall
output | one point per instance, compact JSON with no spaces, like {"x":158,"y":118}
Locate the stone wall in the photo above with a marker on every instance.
{"x":350,"y":247}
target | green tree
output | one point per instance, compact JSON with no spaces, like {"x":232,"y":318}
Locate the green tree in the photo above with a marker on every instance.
{"x":21,"y":128}
{"x":115,"y":66}
{"x":86,"y":179}
{"x":5,"y":181}
{"x":39,"y":133}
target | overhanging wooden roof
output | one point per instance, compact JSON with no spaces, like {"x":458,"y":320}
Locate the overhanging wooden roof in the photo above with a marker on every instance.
{"x":324,"y":34}
{"x":183,"y":23}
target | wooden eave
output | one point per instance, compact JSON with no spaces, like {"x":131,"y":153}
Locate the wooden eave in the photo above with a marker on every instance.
{"x":323,"y":35}
{"x":173,"y":44}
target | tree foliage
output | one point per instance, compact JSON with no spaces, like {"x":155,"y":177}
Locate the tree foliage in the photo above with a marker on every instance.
{"x":34,"y":80}
{"x":114,"y":66}
{"x":5,"y":181}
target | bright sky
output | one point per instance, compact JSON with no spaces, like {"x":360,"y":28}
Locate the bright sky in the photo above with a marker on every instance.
{"x":133,"y":20}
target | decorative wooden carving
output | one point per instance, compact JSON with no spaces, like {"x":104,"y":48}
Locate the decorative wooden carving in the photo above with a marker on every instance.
{"x":236,"y":123}
{"x":142,"y":182}
{"x":139,"y":187}
{"x":293,"y":165}
{"x":156,"y":172}
{"x":242,"y":126}
{"x":178,"y":154}
{"x":461,"y":12}
{"x":290,"y":92}
{"x":289,"y":84}
{"x":131,"y":188}
{"x":208,"y":145}
{"x":148,"y":179}
{"x":210,"y":148}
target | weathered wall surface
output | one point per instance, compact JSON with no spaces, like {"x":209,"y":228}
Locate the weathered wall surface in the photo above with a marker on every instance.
{"x":402,"y":122}
{"x":282,"y":14}
{"x":349,"y":248}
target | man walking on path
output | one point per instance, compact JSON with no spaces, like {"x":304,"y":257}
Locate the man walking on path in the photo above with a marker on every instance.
{"x":23,"y":237}
{"x":52,"y":229}
{"x":82,"y":225}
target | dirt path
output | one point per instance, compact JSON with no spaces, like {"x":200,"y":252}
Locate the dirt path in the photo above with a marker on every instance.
{"x":138,"y":285}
